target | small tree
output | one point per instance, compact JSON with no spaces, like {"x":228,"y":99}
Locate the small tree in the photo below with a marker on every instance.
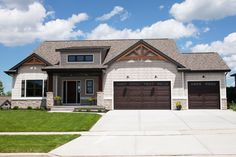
{"x":1,"y":89}
{"x":8,"y":93}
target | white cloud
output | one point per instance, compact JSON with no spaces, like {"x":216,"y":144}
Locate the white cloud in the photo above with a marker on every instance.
{"x":161,"y":7}
{"x":117,"y":10}
{"x":16,"y":4}
{"x":161,"y":29}
{"x":26,"y":26}
{"x":226,"y":48}
{"x":189,"y":10}
{"x":188,"y":44}
{"x":206,"y":29}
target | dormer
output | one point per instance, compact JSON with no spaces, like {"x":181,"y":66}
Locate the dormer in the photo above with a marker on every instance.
{"x":83,"y":55}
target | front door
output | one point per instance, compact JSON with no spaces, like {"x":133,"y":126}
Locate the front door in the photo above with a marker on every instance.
{"x":71,"y":92}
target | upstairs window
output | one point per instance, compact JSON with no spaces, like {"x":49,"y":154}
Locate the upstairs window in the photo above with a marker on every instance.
{"x":80,"y":58}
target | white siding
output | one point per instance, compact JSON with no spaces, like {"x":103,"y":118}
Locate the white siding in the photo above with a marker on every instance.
{"x":208,"y":77}
{"x":143,"y":71}
{"x":26,"y":73}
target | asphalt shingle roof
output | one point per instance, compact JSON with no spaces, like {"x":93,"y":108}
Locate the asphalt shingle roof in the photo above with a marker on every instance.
{"x":192,"y":61}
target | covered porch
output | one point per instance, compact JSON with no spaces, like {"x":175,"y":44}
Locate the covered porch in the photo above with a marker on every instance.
{"x":73,"y":86}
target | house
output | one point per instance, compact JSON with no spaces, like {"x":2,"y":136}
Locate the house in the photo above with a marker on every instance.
{"x":5,"y":102}
{"x":234,"y":75}
{"x":121,"y":74}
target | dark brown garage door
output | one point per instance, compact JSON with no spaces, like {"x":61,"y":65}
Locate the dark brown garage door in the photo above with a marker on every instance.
{"x":142,"y":95}
{"x":204,"y":95}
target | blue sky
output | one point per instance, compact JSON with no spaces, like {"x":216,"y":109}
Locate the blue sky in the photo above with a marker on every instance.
{"x":196,"y":25}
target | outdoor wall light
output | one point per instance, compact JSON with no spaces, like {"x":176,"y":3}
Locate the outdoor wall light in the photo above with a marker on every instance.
{"x":203,"y":76}
{"x":155,"y":76}
{"x":127,"y":77}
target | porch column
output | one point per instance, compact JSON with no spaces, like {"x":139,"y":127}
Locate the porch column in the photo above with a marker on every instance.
{"x":100,"y":83}
{"x":50,"y":82}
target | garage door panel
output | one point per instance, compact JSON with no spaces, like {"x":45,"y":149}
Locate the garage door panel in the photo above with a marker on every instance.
{"x":204,"y":95}
{"x":142,"y":95}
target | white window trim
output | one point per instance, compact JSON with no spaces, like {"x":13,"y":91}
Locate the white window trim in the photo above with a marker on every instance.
{"x":25,"y":97}
{"x":67,"y":59}
{"x":86,"y":86}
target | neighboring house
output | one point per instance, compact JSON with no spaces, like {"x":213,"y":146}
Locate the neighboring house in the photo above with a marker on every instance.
{"x":5,"y":102}
{"x":234,"y":75}
{"x":121,"y":74}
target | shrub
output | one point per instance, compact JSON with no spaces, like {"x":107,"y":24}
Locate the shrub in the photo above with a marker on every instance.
{"x":29,"y":108}
{"x":15,"y":108}
{"x":232,"y":106}
{"x":178,"y":105}
{"x":57,"y":98}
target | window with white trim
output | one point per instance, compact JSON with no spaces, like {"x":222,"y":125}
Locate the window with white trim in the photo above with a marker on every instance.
{"x":33,"y":88}
{"x":89,"y":90}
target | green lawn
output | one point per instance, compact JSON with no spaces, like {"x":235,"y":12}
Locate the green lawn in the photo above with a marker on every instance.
{"x":32,"y":143}
{"x":41,"y":121}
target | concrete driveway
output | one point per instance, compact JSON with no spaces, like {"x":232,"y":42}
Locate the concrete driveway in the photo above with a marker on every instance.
{"x":157,"y":132}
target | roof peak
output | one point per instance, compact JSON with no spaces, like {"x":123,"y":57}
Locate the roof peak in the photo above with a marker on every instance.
{"x":106,"y":40}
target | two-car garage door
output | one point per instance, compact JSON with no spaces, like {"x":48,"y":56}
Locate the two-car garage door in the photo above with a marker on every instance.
{"x":142,"y":95}
{"x":157,"y":95}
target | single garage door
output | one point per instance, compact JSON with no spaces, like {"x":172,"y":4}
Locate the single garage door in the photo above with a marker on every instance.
{"x":142,"y":95}
{"x":204,"y":95}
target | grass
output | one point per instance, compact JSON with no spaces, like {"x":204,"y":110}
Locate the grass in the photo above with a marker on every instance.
{"x":32,"y":143}
{"x":41,"y":121}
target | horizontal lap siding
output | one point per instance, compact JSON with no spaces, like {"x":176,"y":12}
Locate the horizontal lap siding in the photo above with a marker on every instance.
{"x":207,"y":77}
{"x":143,"y":71}
{"x":26,"y":73}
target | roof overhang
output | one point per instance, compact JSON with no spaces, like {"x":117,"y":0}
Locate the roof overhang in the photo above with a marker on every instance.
{"x":83,"y":48}
{"x":14,"y":69}
{"x":73,"y":69}
{"x":210,"y":70}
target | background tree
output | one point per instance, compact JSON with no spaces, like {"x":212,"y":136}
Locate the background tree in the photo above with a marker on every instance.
{"x":1,"y":89}
{"x":8,"y":93}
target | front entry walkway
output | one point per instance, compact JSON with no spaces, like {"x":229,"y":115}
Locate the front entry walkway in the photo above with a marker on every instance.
{"x":155,"y":132}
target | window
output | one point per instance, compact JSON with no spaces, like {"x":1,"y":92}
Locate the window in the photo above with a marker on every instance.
{"x":80,"y":58}
{"x":23,"y":88}
{"x":89,"y":87}
{"x":33,"y":88}
{"x":45,"y":88}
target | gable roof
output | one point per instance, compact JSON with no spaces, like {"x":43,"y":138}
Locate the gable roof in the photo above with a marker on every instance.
{"x":167,"y":47}
{"x":204,"y":61}
{"x":152,"y":48}
{"x":14,"y":68}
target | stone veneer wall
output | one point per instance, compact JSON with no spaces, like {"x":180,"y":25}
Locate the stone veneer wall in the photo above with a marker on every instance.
{"x":26,"y":103}
{"x":100,"y":98}
{"x":107,"y":103}
{"x":49,"y":100}
{"x":224,"y":104}
{"x":183,"y":103}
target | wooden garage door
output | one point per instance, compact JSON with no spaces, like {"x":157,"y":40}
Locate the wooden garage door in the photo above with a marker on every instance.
{"x":204,"y":95}
{"x":142,"y":95}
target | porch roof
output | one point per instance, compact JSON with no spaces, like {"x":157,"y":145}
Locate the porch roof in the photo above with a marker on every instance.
{"x":84,"y":67}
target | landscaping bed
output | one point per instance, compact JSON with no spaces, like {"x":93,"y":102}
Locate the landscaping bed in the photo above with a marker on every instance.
{"x":42,"y":121}
{"x":32,"y":143}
